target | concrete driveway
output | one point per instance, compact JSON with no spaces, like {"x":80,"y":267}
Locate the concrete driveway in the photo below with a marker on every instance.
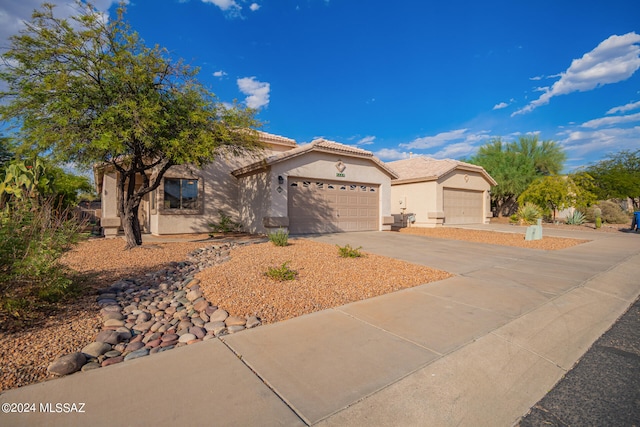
{"x":479,"y":348}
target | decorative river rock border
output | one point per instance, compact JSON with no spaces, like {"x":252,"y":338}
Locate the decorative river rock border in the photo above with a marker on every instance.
{"x":157,"y":312}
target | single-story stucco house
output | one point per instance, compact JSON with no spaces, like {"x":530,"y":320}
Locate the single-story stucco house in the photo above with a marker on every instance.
{"x":431,"y":193}
{"x":320,"y":187}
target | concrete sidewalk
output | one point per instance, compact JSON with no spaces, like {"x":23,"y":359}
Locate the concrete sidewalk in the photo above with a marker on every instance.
{"x":479,"y":348}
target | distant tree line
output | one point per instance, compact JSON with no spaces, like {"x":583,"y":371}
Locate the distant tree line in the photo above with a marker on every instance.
{"x":528,"y":170}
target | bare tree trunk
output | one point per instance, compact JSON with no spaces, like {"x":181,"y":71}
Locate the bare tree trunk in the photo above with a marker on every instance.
{"x":131,"y":228}
{"x":129,"y":200}
{"x":128,"y":203}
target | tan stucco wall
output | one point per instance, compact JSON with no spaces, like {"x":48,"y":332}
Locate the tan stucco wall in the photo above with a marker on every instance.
{"x":317,"y":165}
{"x":220,"y":190}
{"x":419,"y":199}
{"x":109,"y":220}
{"x":425,"y":199}
{"x":254,"y":200}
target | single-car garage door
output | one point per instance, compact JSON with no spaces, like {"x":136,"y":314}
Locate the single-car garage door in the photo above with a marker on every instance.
{"x":327,"y":207}
{"x":462,"y":206}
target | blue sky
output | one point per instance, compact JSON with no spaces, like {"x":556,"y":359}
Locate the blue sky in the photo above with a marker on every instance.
{"x":438,"y":78}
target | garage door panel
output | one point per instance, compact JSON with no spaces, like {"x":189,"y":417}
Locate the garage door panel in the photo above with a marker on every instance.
{"x":322,"y":207}
{"x":462,"y":206}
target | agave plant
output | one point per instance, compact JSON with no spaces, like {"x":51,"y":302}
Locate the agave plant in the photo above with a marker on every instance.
{"x":528,"y":214}
{"x":577,"y":218}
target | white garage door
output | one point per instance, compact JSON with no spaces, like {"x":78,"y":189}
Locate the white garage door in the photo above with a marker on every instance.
{"x":462,"y":206}
{"x":327,"y":207}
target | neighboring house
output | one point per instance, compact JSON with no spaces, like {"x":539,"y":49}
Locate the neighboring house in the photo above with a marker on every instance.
{"x":431,"y":193}
{"x":320,"y":187}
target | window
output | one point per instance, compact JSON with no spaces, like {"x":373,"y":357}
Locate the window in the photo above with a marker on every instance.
{"x":152,"y":198}
{"x":180,"y":193}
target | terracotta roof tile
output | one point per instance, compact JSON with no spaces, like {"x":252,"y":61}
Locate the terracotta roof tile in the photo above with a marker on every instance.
{"x":336,"y":146}
{"x":427,"y":168}
{"x":317,"y":144}
{"x":277,"y":139}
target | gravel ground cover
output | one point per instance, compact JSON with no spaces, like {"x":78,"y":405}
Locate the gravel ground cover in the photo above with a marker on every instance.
{"x":26,"y":352}
{"x":494,"y":238}
{"x":324,"y":280}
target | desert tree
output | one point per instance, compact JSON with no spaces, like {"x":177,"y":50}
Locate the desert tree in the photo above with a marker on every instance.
{"x":555,"y":192}
{"x":515,"y":165}
{"x":618,"y":176}
{"x":88,"y":90}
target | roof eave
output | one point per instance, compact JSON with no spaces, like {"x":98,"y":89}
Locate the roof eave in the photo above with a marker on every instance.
{"x":268,"y":162}
{"x":413,"y":180}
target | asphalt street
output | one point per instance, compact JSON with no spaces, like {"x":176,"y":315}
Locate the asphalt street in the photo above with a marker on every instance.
{"x":603,"y":389}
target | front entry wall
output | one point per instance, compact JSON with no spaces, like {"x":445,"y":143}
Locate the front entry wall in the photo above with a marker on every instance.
{"x":332,"y":206}
{"x":275,"y":203}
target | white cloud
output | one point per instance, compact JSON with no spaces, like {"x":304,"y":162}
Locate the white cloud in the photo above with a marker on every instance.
{"x":613,"y":60}
{"x":442,"y":138}
{"x":367,"y":140}
{"x":219,"y":74}
{"x":452,"y":144}
{"x":579,"y":143}
{"x":254,"y":7}
{"x":13,"y":14}
{"x":623,"y":108}
{"x":500,"y":106}
{"x":612,"y":120}
{"x":258,"y":92}
{"x":455,"y":151}
{"x":446,"y":138}
{"x":229,"y":7}
{"x":390,"y":154}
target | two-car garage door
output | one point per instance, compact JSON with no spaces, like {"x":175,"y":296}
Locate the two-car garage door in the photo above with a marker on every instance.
{"x":462,"y":206}
{"x":325,"y":207}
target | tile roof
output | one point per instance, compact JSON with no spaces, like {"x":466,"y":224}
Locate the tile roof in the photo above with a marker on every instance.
{"x":423,"y":168}
{"x":276,"y":139}
{"x":315,"y":145}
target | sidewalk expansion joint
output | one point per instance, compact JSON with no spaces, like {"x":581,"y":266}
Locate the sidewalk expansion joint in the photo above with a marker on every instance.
{"x":266,"y":383}
{"x":528,"y":350}
{"x":388,"y":332}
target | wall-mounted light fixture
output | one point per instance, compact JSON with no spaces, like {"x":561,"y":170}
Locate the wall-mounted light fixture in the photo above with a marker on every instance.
{"x":280,"y":180}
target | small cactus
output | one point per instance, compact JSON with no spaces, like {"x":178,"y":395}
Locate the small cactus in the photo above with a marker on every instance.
{"x":597,"y":212}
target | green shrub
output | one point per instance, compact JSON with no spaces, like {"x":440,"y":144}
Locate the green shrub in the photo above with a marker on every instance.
{"x":281,"y":273}
{"x":226,"y":225}
{"x":577,"y":218}
{"x":33,"y":236}
{"x":280,"y":237}
{"x":528,"y":214}
{"x":348,"y":252}
{"x":610,"y":212}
